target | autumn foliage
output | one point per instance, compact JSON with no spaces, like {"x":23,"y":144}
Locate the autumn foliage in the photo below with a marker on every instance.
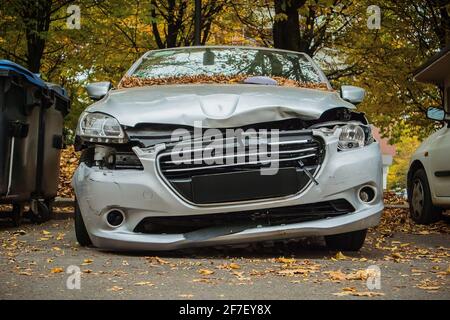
{"x":68,"y":165}
{"x":129,"y":82}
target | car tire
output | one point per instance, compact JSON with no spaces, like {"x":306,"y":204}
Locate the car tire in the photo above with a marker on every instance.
{"x":421,"y":208}
{"x":80,"y":229}
{"x":351,"y":241}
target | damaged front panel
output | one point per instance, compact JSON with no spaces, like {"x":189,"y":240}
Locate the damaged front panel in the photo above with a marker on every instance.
{"x":216,"y":106}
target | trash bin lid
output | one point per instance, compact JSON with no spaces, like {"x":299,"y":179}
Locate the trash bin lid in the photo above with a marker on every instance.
{"x":60,"y":96}
{"x":57,"y":88}
{"x":31,"y":77}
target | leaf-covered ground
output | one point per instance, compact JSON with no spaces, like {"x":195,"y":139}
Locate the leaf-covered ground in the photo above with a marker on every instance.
{"x":414,"y":263}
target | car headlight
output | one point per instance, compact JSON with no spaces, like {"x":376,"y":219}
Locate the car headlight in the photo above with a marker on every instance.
{"x":99,"y":127}
{"x":352,"y":136}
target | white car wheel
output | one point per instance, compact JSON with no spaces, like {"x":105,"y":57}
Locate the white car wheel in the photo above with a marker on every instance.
{"x":421,"y":207}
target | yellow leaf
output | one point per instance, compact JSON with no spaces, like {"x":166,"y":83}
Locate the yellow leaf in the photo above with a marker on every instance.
{"x":358,"y":275}
{"x":205,"y":272}
{"x":340,"y":256}
{"x":287,"y":272}
{"x":397,"y":255}
{"x":57,"y":270}
{"x":115,"y":289}
{"x":144,"y":283}
{"x":203,"y":280}
{"x":368,"y":294}
{"x":337,"y":275}
{"x":285,"y":260}
{"x":157,"y":260}
{"x":351,"y":292}
{"x":351,"y":289}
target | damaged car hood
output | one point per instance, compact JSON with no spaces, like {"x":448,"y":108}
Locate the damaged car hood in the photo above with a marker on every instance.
{"x":216,"y":106}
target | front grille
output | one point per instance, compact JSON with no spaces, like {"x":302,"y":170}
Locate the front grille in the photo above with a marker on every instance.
{"x":238,"y":164}
{"x":246,"y":219}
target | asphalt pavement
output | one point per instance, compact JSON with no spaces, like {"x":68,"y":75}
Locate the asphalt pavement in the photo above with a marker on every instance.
{"x":45,"y":262}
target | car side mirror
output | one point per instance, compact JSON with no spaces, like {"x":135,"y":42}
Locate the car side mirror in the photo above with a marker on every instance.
{"x":96,"y":91}
{"x":436,"y":114}
{"x":353,"y":94}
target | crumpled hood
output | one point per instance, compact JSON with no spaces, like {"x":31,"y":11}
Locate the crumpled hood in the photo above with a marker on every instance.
{"x":217,"y":106}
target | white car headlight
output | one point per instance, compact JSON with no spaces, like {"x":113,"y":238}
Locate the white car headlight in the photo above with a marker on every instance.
{"x":352,"y":136}
{"x":99,"y":127}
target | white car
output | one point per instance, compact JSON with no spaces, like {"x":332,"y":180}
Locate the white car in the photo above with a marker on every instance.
{"x":177,"y":156}
{"x":429,"y":170}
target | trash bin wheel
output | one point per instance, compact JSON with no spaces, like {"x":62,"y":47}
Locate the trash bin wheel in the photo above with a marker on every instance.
{"x":17,"y":214}
{"x":40,"y":211}
{"x":80,"y":228}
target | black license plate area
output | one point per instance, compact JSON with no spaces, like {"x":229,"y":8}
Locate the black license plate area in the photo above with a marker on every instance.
{"x":244,"y":185}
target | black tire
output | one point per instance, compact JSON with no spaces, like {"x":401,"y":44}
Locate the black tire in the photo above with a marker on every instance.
{"x":80,"y":228}
{"x":42,"y":213}
{"x":421,"y":208}
{"x":351,"y":241}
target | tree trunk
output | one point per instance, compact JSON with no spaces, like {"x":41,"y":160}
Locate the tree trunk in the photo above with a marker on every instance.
{"x":172,"y":30}
{"x":286,"y":28}
{"x":36,"y":17}
{"x":445,"y":38}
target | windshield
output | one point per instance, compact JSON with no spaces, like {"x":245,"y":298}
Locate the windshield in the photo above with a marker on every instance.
{"x":224,"y":65}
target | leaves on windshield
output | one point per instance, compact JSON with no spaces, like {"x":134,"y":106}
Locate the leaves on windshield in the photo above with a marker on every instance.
{"x":129,"y":82}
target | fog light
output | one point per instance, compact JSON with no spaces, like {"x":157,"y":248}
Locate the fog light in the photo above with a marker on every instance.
{"x":115,"y":217}
{"x":367,"y":194}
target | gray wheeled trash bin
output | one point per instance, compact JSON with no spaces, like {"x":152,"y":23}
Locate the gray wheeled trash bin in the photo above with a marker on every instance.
{"x":31,"y":138}
{"x":51,"y":141}
{"x":21,"y":96}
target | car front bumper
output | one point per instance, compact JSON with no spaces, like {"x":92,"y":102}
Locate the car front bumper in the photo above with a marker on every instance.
{"x":144,"y":193}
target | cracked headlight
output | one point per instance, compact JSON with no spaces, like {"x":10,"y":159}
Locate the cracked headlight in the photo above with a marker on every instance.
{"x":352,"y":136}
{"x":99,"y":127}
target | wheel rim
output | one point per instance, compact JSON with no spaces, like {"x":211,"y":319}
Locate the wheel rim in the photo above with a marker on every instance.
{"x":418,"y":197}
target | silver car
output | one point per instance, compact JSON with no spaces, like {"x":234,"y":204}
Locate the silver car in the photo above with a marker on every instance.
{"x":221,"y":145}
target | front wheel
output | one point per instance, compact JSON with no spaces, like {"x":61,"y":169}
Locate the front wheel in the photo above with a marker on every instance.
{"x":80,"y":228}
{"x":351,"y":241}
{"x":421,"y":207}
